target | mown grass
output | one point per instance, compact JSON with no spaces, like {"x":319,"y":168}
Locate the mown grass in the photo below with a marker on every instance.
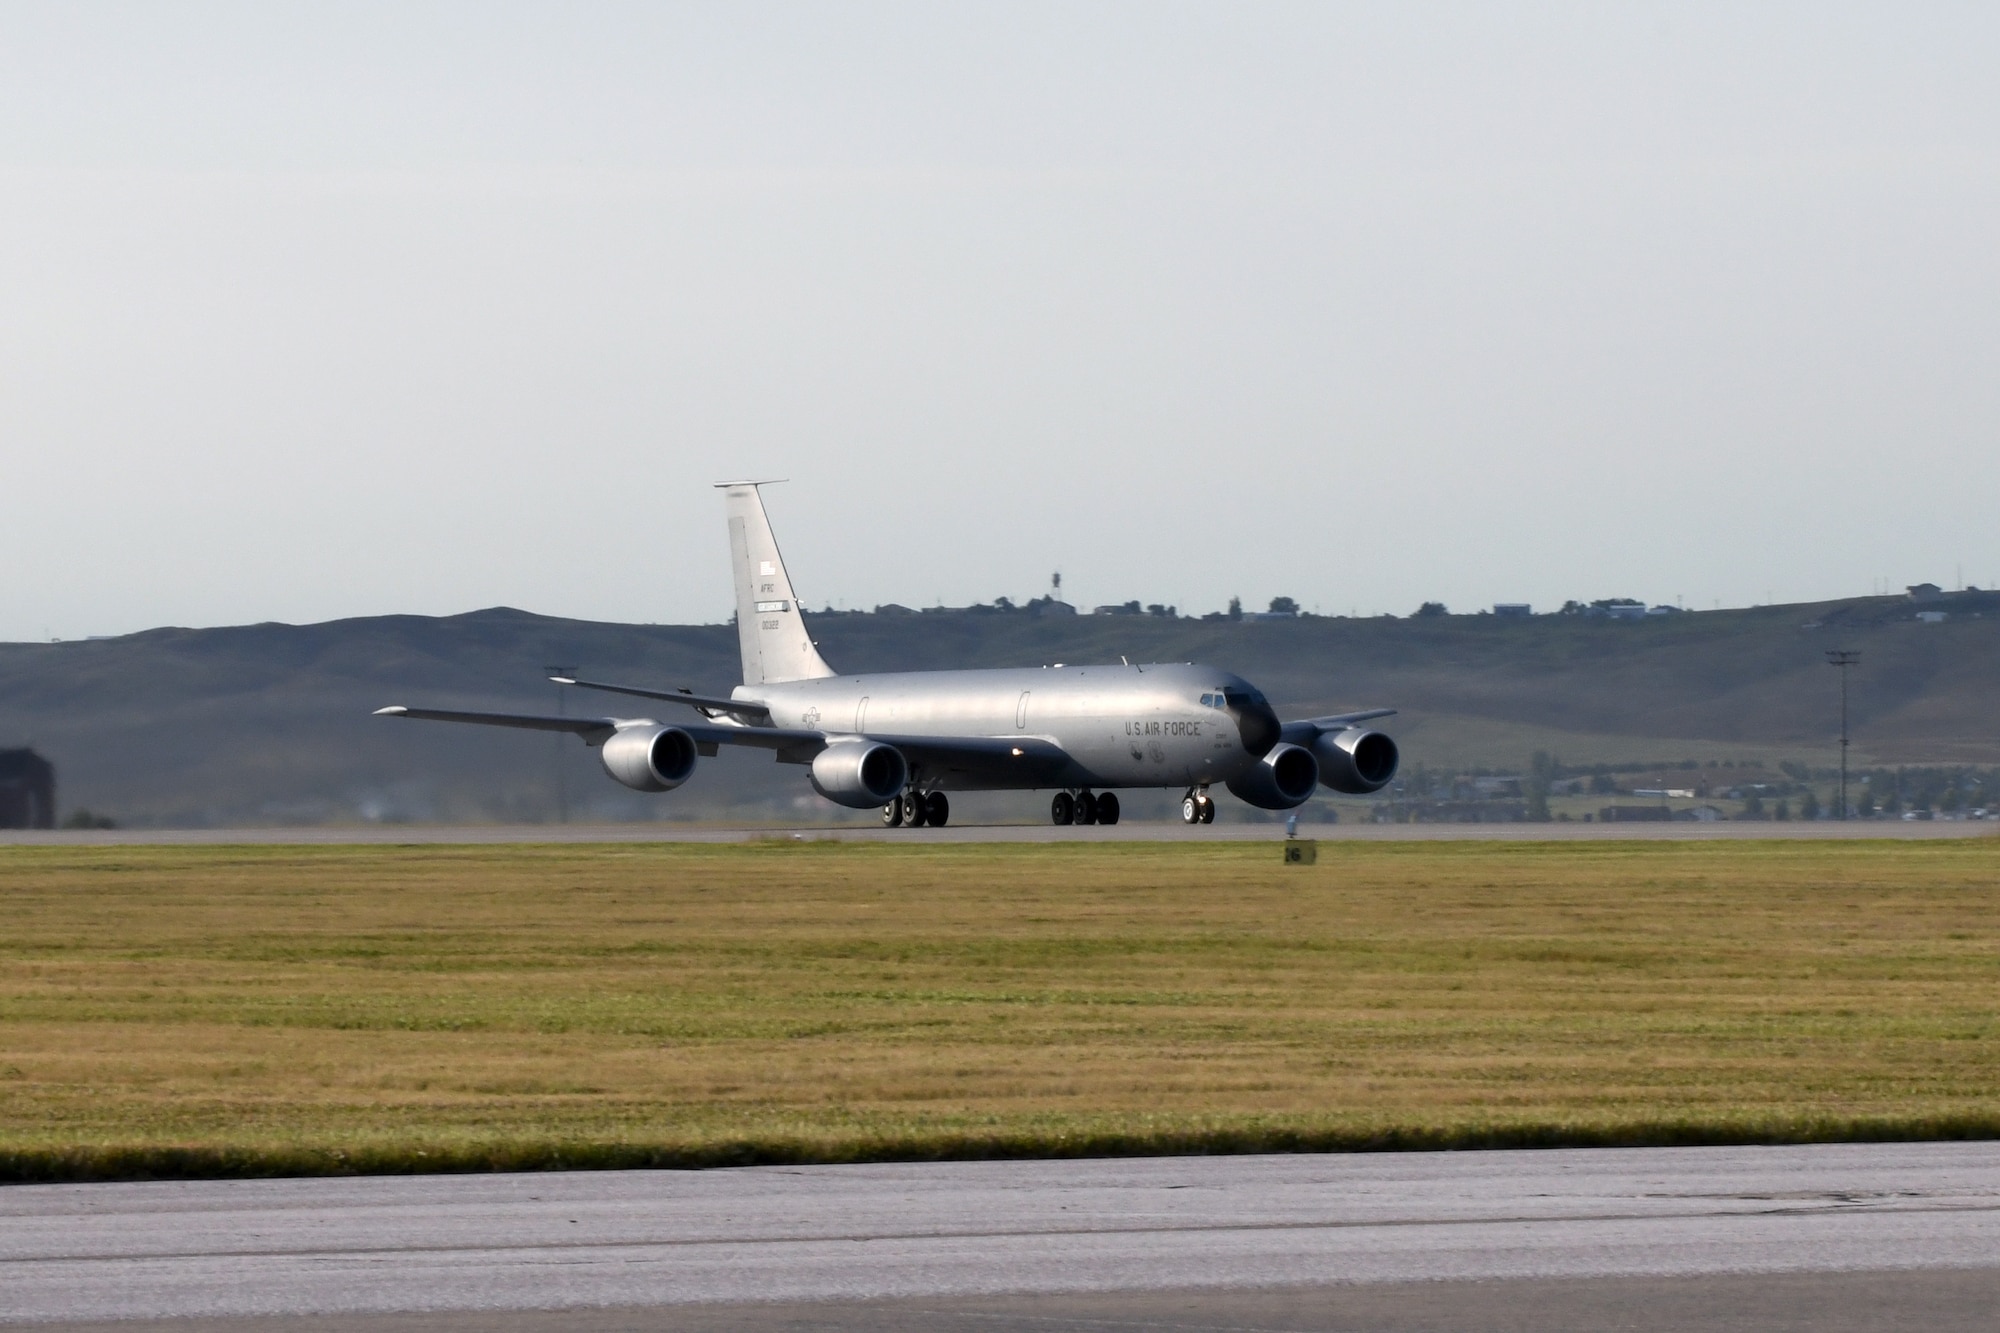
{"x":169,"y":1011}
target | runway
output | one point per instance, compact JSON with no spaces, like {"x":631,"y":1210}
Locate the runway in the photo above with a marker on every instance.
{"x":1845,"y":1235}
{"x":502,"y":834}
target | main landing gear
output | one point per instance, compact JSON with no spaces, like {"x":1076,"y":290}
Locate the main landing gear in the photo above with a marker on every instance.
{"x":1196,"y":808}
{"x":917,"y":808}
{"x":1083,"y":808}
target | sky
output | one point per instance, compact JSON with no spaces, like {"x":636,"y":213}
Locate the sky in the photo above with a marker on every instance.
{"x":311,"y":311}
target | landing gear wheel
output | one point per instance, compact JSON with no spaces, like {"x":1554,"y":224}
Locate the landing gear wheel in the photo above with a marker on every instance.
{"x":1062,"y":809}
{"x":1107,"y":808}
{"x":1086,"y":808}
{"x":1190,"y":809}
{"x":913,"y":809}
{"x":1207,"y":809}
{"x":892,"y":814}
{"x":937,"y":809}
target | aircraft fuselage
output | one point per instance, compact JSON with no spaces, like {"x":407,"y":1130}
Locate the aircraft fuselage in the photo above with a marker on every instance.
{"x":1120,"y":726}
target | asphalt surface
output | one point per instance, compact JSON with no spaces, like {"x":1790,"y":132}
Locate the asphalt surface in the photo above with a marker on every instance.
{"x":1833,"y":1236}
{"x":500,"y":834}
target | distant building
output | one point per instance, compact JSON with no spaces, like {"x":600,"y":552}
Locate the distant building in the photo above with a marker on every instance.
{"x":1635,"y":814}
{"x":1519,"y":610}
{"x":1932,"y":617}
{"x":1664,"y":610}
{"x":27,"y":790}
{"x":1626,"y":611}
{"x":1924,"y":592}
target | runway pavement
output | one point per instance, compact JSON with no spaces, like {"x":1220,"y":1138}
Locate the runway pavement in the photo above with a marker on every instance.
{"x":500,"y":834}
{"x":1832,"y":1236}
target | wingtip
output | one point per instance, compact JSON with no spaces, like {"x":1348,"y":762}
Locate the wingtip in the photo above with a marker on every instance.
{"x":393,"y":710}
{"x":563,"y":680}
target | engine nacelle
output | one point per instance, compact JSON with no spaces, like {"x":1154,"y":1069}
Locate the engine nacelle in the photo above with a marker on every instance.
{"x":1286,"y":776}
{"x":1356,"y":761}
{"x":859,"y":774}
{"x":650,"y":758}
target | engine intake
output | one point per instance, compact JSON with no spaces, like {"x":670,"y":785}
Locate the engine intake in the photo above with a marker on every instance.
{"x":1286,"y":776}
{"x":859,"y":774}
{"x":1356,"y":761}
{"x":651,"y":758}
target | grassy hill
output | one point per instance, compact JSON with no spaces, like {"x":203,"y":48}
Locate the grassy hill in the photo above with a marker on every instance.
{"x":269,"y":723}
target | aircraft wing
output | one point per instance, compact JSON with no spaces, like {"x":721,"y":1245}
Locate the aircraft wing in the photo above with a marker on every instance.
{"x":594,"y":730}
{"x":977,"y":758}
{"x":1303,"y":732}
{"x":983,"y":759}
{"x":688,"y":697}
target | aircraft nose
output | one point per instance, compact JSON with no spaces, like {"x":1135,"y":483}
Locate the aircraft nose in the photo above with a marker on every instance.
{"x":1257,"y":723}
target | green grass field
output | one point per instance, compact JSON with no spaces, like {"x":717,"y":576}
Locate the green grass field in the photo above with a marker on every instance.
{"x":251,"y":1010}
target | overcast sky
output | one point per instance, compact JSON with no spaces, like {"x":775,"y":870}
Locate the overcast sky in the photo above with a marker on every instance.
{"x":321,"y":310}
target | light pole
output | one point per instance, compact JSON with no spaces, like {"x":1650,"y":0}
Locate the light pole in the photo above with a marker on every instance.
{"x":562,"y":710}
{"x":1843,"y":658}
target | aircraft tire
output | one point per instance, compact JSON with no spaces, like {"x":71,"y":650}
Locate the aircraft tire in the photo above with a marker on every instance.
{"x":1086,"y":808}
{"x":1062,"y":810}
{"x":892,"y":813}
{"x":1107,"y":808}
{"x":937,"y":809}
{"x":913,"y":809}
{"x":1207,"y":810}
{"x":1190,"y":809}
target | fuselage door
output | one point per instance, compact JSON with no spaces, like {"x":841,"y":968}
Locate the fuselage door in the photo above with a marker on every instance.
{"x":1021,"y":712}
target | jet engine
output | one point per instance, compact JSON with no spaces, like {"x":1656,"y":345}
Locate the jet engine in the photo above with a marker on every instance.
{"x":1355,"y":761}
{"x":651,"y":758}
{"x":1286,"y":776}
{"x":859,"y":774}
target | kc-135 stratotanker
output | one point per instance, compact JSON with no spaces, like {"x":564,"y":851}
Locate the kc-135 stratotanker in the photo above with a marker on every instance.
{"x":902,"y":740}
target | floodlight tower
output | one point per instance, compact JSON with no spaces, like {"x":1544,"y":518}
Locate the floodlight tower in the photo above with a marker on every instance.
{"x":1843,"y":658}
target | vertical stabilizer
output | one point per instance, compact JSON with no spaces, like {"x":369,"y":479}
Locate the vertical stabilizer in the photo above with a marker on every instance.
{"x":769,"y":627}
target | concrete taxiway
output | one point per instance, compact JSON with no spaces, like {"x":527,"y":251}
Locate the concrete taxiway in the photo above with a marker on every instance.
{"x":500,"y":834}
{"x":1829,"y":1236}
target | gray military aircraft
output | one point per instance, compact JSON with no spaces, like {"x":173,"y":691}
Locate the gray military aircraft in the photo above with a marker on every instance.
{"x":902,"y":740}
